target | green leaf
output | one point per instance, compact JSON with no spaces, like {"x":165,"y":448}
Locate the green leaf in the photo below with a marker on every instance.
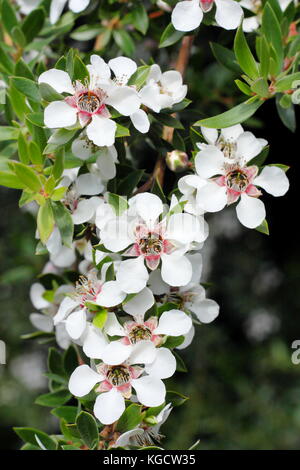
{"x":122,"y":131}
{"x":235,"y":115}
{"x":263,"y":228}
{"x":180,"y":365}
{"x":59,"y":163}
{"x":36,"y":118}
{"x":86,"y":32}
{"x":8,"y":16}
{"x":130,"y":418}
{"x":264,"y":57}
{"x":28,"y":87}
{"x":287,"y":115}
{"x":168,"y":120}
{"x":140,"y":76}
{"x":35,"y":153}
{"x":243,"y":87}
{"x":244,"y":55}
{"x":128,"y":184}
{"x":64,"y":222}
{"x":55,"y":363}
{"x":100,"y":318}
{"x":23,"y":70}
{"x":68,"y":413}
{"x":260,"y":87}
{"x":10,"y":180}
{"x":54,"y":398}
{"x":33,"y":24}
{"x":80,"y":70}
{"x":175,"y":398}
{"x":31,"y":434}
{"x":225,"y":57}
{"x":285,"y":83}
{"x":8,"y":133}
{"x":18,"y":36}
{"x":48,"y":93}
{"x":140,"y":18}
{"x":88,"y":430}
{"x":170,"y":36}
{"x":124,"y":41}
{"x":70,"y":360}
{"x":118,"y":203}
{"x":6,"y":64}
{"x":45,"y":221}
{"x":270,"y":28}
{"x":28,"y":177}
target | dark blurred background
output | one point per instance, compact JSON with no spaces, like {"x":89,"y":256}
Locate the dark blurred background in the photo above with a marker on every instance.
{"x":244,"y":390}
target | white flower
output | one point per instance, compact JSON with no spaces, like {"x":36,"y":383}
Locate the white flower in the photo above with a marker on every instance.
{"x":60,"y":255}
{"x":228,"y":178}
{"x":57,"y":7}
{"x":188,"y":15}
{"x":116,"y":383}
{"x":162,"y":90}
{"x":73,"y":311}
{"x":44,"y":321}
{"x":251,"y":23}
{"x":151,"y":331}
{"x":27,"y":6}
{"x":151,"y":241}
{"x":88,"y":102}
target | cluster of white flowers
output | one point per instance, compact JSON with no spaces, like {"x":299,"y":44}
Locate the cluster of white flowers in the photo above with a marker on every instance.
{"x":90,"y":102}
{"x":225,"y":175}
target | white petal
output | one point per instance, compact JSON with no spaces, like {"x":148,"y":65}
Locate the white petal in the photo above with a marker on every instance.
{"x":82,"y":380}
{"x":64,"y":258}
{"x":122,"y":67}
{"x":81,"y":149}
{"x":143,"y":352}
{"x":36,"y":296}
{"x":88,"y":184}
{"x":109,"y":406}
{"x":94,"y":343}
{"x":106,"y":164}
{"x":59,"y":114}
{"x":187,"y":15}
{"x":206,"y":311}
{"x":110,"y":295}
{"x":102,"y":131}
{"x":125,"y":100}
{"x":209,"y":162}
{"x":164,"y":365}
{"x":173,"y":323}
{"x":188,"y":338}
{"x":212,"y":197}
{"x":76,"y":323}
{"x":112,"y":326}
{"x":42,"y":322}
{"x":62,"y":338}
{"x":124,"y":439}
{"x":140,"y":303}
{"x":197,"y":264}
{"x":57,"y":79}
{"x":248,"y":146}
{"x":210,"y":135}
{"x":140,"y":121}
{"x":185,"y":228}
{"x":273,"y":180}
{"x":56,"y":9}
{"x":84,"y":212}
{"x":116,"y":353}
{"x":78,"y":5}
{"x":65,"y":308}
{"x":156,"y":284}
{"x":116,"y":235}
{"x":100,"y":67}
{"x":250,"y":211}
{"x":228,"y":14}
{"x":149,"y":390}
{"x":232,"y":133}
{"x":132,"y":275}
{"x":150,"y":97}
{"x":250,"y":24}
{"x":171,"y":80}
{"x":149,"y":207}
{"x":176,"y":270}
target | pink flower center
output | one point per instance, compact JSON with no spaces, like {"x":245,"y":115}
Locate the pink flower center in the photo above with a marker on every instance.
{"x":139,"y":333}
{"x":152,"y":245}
{"x":237,"y":180}
{"x":88,"y":102}
{"x":118,"y":375}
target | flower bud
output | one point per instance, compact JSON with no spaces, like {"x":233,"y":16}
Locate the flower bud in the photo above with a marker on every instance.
{"x":177,"y":160}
